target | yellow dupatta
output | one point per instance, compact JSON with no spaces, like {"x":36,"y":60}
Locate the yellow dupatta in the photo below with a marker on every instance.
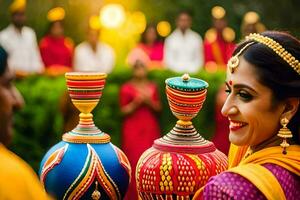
{"x":251,"y":167}
{"x":262,"y":178}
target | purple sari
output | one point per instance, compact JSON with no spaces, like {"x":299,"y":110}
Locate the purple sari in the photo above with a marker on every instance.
{"x":229,"y":185}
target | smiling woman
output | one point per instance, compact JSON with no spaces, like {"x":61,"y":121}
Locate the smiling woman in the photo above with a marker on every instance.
{"x":263,"y":86}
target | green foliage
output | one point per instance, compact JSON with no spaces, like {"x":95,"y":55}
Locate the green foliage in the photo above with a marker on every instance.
{"x":39,"y":125}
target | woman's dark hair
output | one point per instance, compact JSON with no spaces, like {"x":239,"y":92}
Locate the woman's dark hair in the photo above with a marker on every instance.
{"x":143,"y":35}
{"x":51,"y":24}
{"x":138,"y":64}
{"x":3,"y":60}
{"x":274,"y":72}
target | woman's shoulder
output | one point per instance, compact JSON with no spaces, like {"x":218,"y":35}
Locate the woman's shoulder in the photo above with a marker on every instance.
{"x":289,"y":181}
{"x":228,"y":185}
{"x":45,"y":41}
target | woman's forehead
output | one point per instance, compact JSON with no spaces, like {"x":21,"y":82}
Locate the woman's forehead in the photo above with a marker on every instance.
{"x":245,"y":73}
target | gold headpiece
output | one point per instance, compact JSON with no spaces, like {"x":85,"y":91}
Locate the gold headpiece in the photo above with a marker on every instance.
{"x":277,"y":48}
{"x":56,"y":14}
{"x":234,"y":61}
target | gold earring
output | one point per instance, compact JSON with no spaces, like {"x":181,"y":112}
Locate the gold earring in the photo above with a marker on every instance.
{"x":284,"y":133}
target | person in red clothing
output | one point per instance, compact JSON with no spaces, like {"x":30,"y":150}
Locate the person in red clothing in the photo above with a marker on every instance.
{"x":149,"y":50}
{"x":218,"y":47}
{"x":218,"y":42}
{"x":56,"y":49}
{"x":220,"y":137}
{"x":140,"y":102}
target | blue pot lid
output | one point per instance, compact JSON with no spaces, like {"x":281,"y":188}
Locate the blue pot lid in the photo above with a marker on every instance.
{"x":186,"y":83}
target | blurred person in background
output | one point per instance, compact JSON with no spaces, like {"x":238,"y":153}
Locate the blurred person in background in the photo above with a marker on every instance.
{"x":183,"y":50}
{"x":218,"y":42}
{"x":93,"y":55}
{"x":56,"y":49}
{"x":218,"y":47}
{"x":140,"y":102}
{"x":149,"y":49}
{"x":220,"y":137}
{"x":20,"y":43}
{"x":251,"y":24}
{"x":17,"y":179}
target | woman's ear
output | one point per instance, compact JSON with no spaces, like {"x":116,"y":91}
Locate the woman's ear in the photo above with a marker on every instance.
{"x":291,"y":107}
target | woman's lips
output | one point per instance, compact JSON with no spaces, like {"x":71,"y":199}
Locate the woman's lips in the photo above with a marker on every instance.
{"x":236,"y":125}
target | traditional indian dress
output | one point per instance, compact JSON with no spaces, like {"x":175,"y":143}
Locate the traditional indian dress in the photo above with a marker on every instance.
{"x":139,"y":130}
{"x":22,"y":48}
{"x":101,"y":60}
{"x":17,"y":179}
{"x":266,"y":174}
{"x":151,"y":56}
{"x":56,"y":52}
{"x":183,"y":53}
{"x":218,"y":51}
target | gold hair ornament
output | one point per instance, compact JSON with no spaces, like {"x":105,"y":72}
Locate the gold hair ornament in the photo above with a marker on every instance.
{"x":234,"y":60}
{"x":277,"y":48}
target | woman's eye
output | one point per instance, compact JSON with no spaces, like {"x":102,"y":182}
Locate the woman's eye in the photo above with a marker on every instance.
{"x":244,"y":95}
{"x":227,"y":91}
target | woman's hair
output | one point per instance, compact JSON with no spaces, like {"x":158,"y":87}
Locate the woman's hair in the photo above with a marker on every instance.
{"x":143,"y":35}
{"x":274,"y":72}
{"x":138,"y":64}
{"x":3,"y":60}
{"x":51,"y":24}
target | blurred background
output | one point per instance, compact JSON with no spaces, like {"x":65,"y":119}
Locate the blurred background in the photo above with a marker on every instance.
{"x":39,"y":125}
{"x":276,"y":14}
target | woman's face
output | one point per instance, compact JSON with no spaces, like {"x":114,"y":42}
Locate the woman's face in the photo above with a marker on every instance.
{"x":140,"y":71}
{"x":252,"y":115}
{"x":57,"y":29}
{"x":150,"y":35}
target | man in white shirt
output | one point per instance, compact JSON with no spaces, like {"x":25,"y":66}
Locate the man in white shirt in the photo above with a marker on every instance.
{"x":93,"y":55}
{"x":20,"y":43}
{"x":183,"y":50}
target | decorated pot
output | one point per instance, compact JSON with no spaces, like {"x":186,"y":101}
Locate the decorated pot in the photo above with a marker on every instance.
{"x":182,"y":161}
{"x":85,"y":164}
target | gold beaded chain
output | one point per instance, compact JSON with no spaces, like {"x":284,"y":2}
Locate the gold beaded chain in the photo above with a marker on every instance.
{"x":277,"y":48}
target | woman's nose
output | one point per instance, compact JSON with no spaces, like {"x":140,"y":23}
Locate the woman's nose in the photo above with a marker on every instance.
{"x":228,"y":108}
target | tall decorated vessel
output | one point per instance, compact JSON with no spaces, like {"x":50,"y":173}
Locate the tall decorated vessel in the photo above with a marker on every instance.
{"x":182,"y":161}
{"x":85,"y":164}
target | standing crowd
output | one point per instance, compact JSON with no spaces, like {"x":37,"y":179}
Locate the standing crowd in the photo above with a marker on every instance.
{"x":254,"y":78}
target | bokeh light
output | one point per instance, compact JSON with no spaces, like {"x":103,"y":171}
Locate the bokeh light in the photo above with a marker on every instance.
{"x":138,"y":21}
{"x":112,"y":15}
{"x":94,"y":22}
{"x":163,"y":28}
